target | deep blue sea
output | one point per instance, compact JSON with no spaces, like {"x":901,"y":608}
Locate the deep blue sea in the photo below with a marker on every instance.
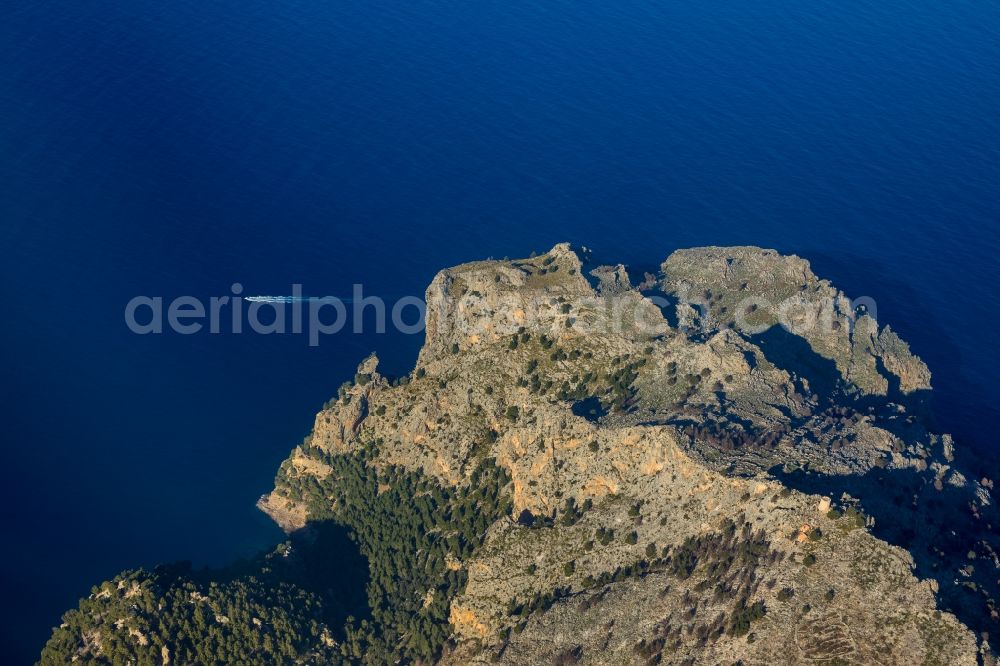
{"x":174,"y":148}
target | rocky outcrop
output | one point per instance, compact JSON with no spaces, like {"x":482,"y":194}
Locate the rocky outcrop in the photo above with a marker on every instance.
{"x":631,"y":444}
{"x":735,"y":469}
{"x":752,"y":289}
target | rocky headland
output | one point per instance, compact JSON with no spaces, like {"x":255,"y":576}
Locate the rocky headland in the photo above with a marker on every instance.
{"x":729,"y":461}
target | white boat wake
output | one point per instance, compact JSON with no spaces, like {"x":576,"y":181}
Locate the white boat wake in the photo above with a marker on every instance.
{"x":294,"y":299}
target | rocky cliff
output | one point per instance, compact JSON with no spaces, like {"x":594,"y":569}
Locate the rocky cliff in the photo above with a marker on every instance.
{"x":730,"y":462}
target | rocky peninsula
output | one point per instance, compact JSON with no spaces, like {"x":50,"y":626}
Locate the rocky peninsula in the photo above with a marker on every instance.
{"x":727,"y":461}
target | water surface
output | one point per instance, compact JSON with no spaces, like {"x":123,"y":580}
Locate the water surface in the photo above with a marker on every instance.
{"x":176,"y":148}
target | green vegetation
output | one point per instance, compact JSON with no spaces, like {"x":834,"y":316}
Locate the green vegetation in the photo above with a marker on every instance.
{"x":412,"y":531}
{"x":622,"y":394}
{"x":743,"y":615}
{"x":728,"y":562}
{"x":139,"y":616}
{"x":540,"y":602}
{"x":410,"y":528}
{"x":853,"y":519}
{"x":571,"y":513}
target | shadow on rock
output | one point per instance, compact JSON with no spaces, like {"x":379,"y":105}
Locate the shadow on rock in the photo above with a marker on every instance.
{"x":941,"y":525}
